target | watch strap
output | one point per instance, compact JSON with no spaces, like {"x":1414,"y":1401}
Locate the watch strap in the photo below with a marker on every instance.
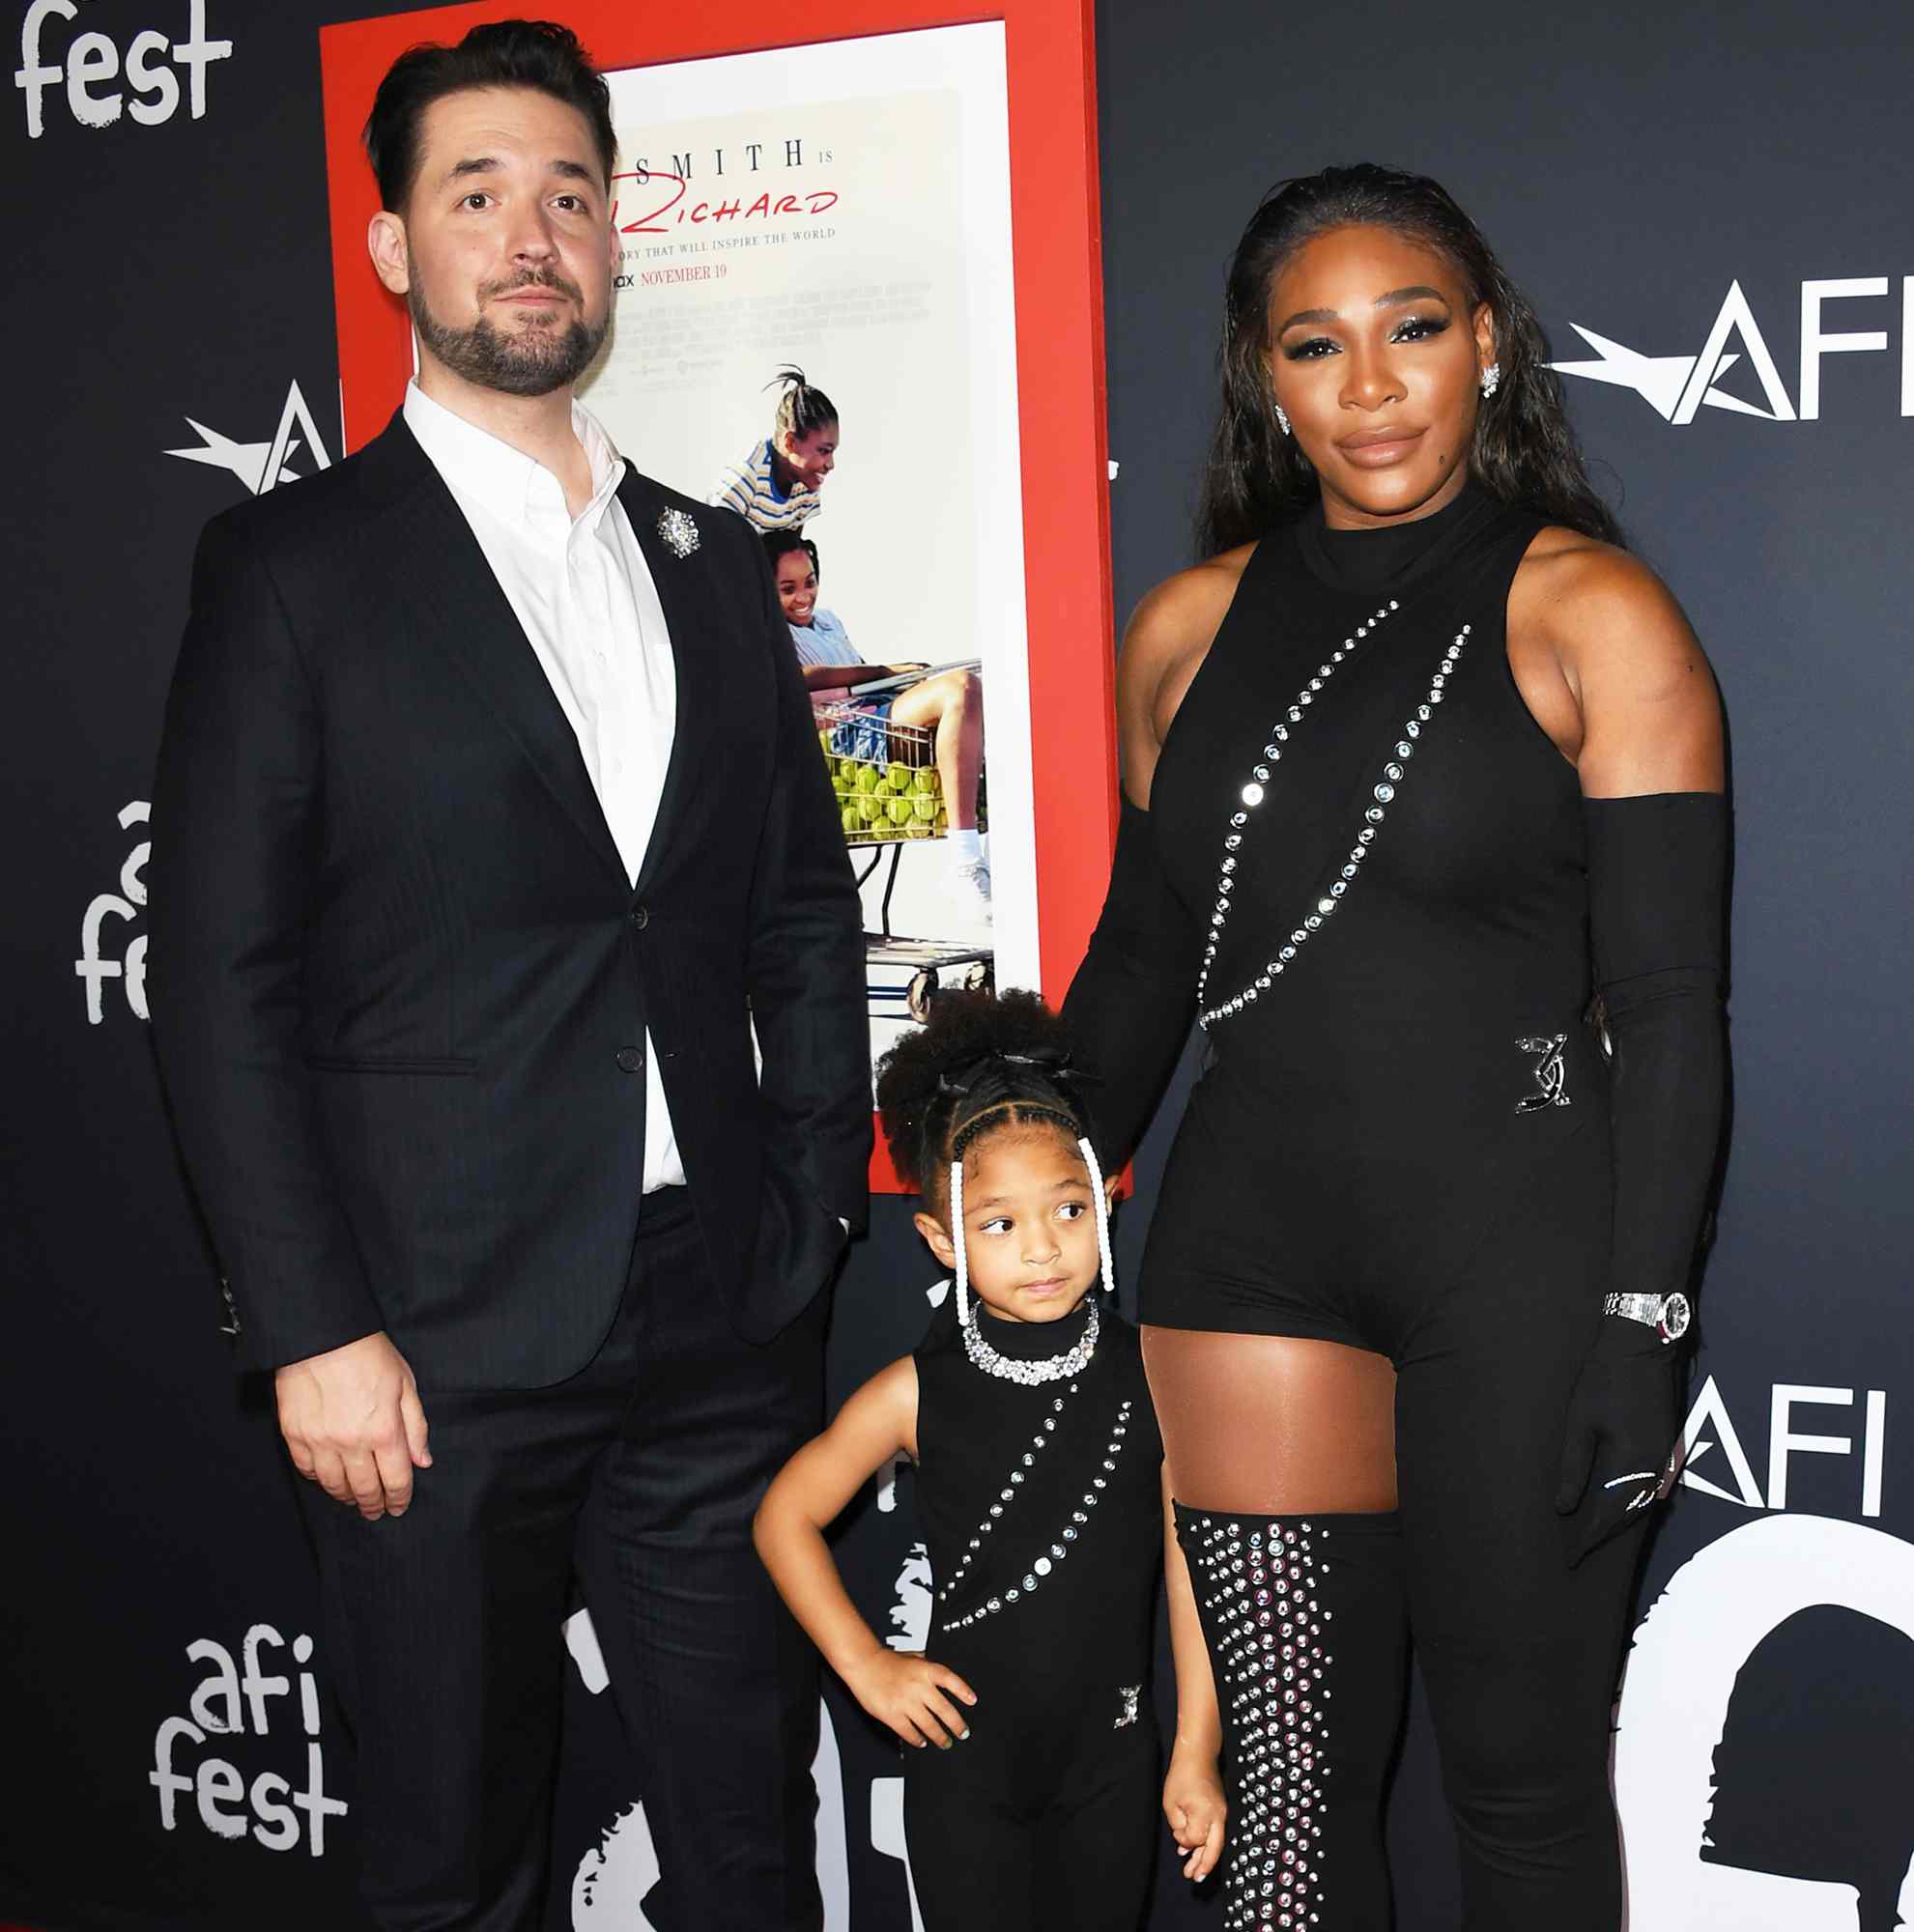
{"x":1646,"y":1309}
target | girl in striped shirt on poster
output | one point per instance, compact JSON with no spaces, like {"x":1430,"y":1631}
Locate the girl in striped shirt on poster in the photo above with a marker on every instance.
{"x":776,"y":486}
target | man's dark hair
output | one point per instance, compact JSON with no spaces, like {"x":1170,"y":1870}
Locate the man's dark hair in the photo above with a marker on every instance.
{"x":539,"y":54}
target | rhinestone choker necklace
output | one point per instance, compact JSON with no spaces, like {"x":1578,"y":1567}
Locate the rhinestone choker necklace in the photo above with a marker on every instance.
{"x":1051,"y":1369}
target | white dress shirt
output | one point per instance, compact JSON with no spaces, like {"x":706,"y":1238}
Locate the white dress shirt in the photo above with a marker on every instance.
{"x":583,"y":596}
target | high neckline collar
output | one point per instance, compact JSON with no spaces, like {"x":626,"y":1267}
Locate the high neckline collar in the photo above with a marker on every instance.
{"x":1032,"y":1341}
{"x":1369,"y":562}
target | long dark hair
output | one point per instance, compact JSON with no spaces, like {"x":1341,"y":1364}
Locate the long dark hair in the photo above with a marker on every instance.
{"x":1525,"y":452}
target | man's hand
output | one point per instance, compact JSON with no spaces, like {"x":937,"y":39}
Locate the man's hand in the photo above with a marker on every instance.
{"x":354,"y":1423}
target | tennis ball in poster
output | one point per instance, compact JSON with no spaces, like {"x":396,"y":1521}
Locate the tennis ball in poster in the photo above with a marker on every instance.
{"x":900,"y":811}
{"x":925,"y":810}
{"x":915,"y":831}
{"x":866,"y":778}
{"x":869,"y":809}
{"x":853,"y":820}
{"x":926,"y":783}
{"x":943,"y":820}
{"x":900,"y":778}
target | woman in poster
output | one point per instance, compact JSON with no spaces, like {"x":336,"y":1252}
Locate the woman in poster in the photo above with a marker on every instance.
{"x":1420,"y":767}
{"x":777,"y":485}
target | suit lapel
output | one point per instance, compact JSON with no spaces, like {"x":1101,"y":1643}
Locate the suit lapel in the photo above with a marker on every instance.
{"x":690,"y":603}
{"x":454,"y":602}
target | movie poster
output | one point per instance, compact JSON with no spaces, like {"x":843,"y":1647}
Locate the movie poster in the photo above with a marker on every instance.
{"x":843,"y":209}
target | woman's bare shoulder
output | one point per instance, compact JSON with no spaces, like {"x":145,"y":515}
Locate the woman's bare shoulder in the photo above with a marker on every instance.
{"x":1168,"y":637}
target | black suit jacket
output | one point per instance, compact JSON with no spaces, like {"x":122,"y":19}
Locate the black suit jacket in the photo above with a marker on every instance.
{"x":400,"y":978}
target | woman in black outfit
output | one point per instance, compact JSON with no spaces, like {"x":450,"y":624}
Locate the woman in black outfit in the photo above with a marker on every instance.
{"x":1423,"y":823}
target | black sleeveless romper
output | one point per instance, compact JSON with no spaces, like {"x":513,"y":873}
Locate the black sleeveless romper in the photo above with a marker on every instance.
{"x":1398,"y":1045}
{"x":1401,"y":1142}
{"x":1047,"y":1814}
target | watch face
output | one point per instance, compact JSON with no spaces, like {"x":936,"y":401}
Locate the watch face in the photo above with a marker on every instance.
{"x":1675,"y":1318}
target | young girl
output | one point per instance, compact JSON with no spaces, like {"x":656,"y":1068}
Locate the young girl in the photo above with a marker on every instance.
{"x":1029,"y":1791}
{"x":775,"y":488}
{"x":949,"y":705}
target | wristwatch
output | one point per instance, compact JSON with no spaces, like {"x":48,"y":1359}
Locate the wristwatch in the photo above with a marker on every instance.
{"x":1668,"y":1315}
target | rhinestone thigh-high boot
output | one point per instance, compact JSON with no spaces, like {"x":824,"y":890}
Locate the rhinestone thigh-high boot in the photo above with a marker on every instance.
{"x":1304,"y":1622}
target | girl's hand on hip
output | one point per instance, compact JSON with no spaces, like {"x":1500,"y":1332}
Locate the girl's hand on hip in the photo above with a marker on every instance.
{"x":917,"y":1699}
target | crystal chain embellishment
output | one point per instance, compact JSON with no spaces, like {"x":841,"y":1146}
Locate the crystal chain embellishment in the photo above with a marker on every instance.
{"x":1043,"y":1566}
{"x":1004,"y":1496}
{"x":1251,"y":795}
{"x":1383,"y":796}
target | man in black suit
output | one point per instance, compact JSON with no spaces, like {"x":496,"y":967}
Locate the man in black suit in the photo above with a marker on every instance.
{"x":489,"y":829}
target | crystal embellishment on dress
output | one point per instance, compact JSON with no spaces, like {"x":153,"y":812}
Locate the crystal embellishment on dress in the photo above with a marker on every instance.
{"x":1131,"y":1698}
{"x":1550,"y":1075}
{"x":1252,"y":794}
{"x":679,"y":531}
{"x":1043,"y":1566}
{"x":1383,"y":794}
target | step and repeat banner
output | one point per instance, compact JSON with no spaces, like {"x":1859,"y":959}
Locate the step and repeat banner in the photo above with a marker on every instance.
{"x":1706,"y":212}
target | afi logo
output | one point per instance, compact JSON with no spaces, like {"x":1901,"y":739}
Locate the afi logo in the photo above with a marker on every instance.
{"x":1677,"y":387}
{"x":234,"y":1700}
{"x":123,"y":907}
{"x":1709,"y":1427}
{"x":262,"y":465}
{"x":92,"y":63}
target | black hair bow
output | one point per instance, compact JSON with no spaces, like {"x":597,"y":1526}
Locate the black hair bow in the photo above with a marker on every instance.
{"x":990,"y":1068}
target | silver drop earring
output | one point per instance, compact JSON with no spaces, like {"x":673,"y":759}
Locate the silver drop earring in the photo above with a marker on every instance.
{"x":1282,"y":418}
{"x":1492,"y":379}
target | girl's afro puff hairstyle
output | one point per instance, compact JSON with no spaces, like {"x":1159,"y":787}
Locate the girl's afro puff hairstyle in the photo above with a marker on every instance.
{"x":1006,"y":1056}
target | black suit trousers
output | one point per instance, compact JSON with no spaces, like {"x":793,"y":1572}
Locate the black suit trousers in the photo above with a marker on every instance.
{"x":639,"y":1475}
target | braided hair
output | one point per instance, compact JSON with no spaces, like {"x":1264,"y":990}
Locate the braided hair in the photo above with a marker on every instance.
{"x":976,"y":1064}
{"x":803,"y":408}
{"x":780,"y":543}
{"x":981,"y":1066}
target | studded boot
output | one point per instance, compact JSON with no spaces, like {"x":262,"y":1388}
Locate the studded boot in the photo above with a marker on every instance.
{"x":1305,"y":1626}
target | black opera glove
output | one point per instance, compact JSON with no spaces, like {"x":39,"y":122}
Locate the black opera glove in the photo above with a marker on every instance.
{"x":1624,"y":1420}
{"x":1657,"y":896}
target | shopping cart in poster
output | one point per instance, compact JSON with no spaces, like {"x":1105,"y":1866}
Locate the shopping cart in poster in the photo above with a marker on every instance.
{"x":889,"y":796}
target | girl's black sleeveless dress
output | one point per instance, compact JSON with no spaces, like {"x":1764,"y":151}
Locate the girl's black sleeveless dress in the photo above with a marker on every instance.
{"x":1043,"y":1515}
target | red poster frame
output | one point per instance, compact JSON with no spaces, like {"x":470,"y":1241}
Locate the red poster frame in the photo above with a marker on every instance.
{"x":1057,"y":264}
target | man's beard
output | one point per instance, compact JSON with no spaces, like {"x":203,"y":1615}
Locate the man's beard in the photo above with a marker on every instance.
{"x":531,"y":360}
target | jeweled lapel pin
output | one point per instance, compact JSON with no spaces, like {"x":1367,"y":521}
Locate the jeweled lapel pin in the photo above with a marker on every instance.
{"x":679,"y":533}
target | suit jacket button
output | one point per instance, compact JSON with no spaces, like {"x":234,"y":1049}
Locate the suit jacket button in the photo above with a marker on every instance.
{"x":630,"y":1059}
{"x":640,"y":917}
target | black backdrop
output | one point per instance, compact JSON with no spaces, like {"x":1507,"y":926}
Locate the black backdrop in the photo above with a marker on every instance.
{"x":1703,"y":189}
